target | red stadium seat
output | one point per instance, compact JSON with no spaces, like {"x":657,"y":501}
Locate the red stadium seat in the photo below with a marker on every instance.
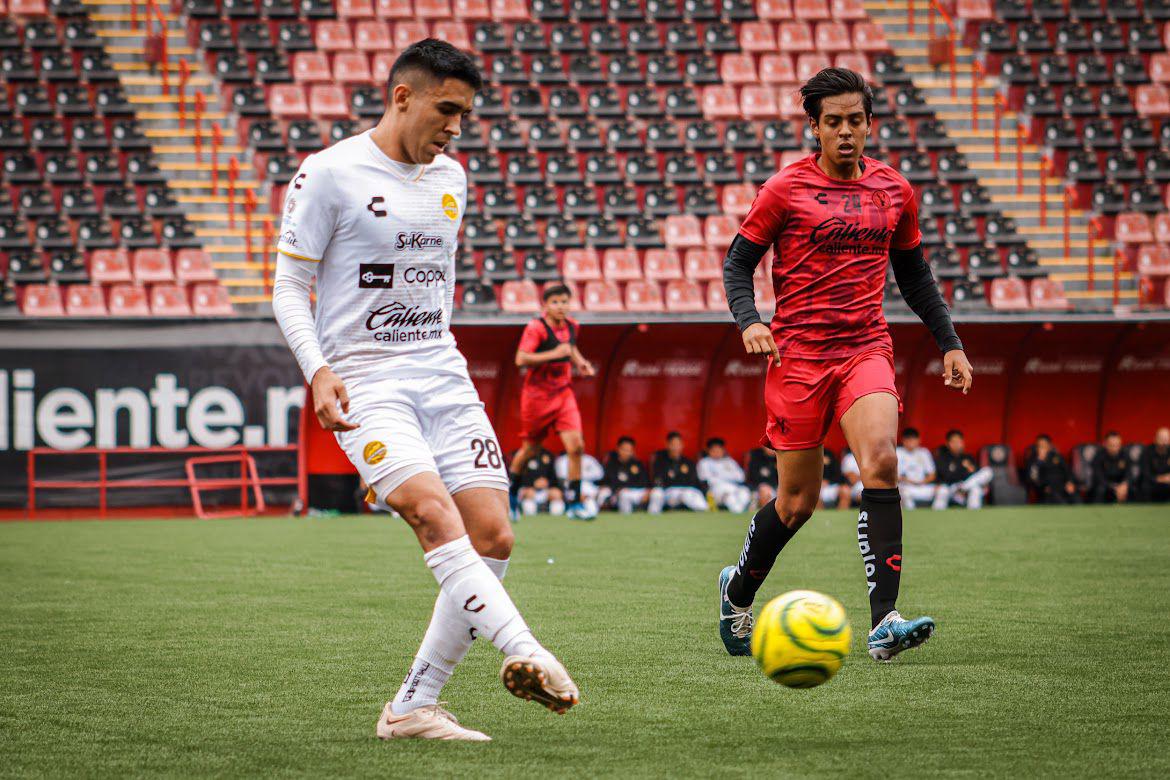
{"x":791,"y":156}
{"x":194,"y":265}
{"x":737,"y":199}
{"x":858,"y":63}
{"x":471,"y":10}
{"x":621,"y":265}
{"x":683,"y":231}
{"x":354,"y":9}
{"x":1162,"y":228}
{"x":663,"y":265}
{"x":454,"y":33}
{"x":832,"y":37}
{"x":42,"y":300}
{"x":757,"y":37}
{"x":1160,"y":67}
{"x":1048,"y":295}
{"x":702,"y":265}
{"x":372,"y":36}
{"x":719,"y":231}
{"x":128,"y":300}
{"x":684,"y":295}
{"x":719,"y":102}
{"x":1009,"y":294}
{"x":333,"y":36}
{"x":765,"y":298}
{"x":406,"y":33}
{"x":738,"y":69}
{"x":110,"y":265}
{"x":1152,"y":100}
{"x":432,"y":9}
{"x":151,"y":266}
{"x":287,"y":101}
{"x":85,"y":300}
{"x":774,"y":10}
{"x":791,"y":103}
{"x":1134,"y":228}
{"x":1153,"y":260}
{"x":849,"y":11}
{"x":975,"y":10}
{"x":328,"y":102}
{"x":809,"y":65}
{"x":581,"y":265}
{"x":869,"y":37}
{"x":602,"y":296}
{"x":27,"y":7}
{"x":810,"y":10}
{"x":758,"y":103}
{"x":311,"y":67}
{"x":716,"y":296}
{"x":383,"y":62}
{"x":777,"y":69}
{"x":519,"y":296}
{"x":169,"y":300}
{"x":393,"y":9}
{"x":510,"y":10}
{"x":351,"y":67}
{"x":210,"y":300}
{"x":796,"y":37}
{"x":643,"y":296}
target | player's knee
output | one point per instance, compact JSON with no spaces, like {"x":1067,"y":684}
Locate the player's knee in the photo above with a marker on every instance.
{"x":574,"y":447}
{"x":496,"y":542}
{"x":796,"y":508}
{"x":435,"y":521}
{"x":880,"y":468}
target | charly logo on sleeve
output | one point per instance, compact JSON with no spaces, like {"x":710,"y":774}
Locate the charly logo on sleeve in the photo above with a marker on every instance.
{"x":450,"y":206}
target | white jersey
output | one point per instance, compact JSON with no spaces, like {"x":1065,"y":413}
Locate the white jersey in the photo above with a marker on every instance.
{"x":916,"y":464}
{"x":849,"y":464}
{"x":383,"y":235}
{"x":591,"y":469}
{"x":724,"y":469}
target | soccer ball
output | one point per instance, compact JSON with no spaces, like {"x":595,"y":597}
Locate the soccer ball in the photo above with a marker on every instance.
{"x":801,"y":638}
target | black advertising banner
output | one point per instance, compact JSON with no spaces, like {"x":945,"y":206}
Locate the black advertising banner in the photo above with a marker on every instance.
{"x":100,"y":384}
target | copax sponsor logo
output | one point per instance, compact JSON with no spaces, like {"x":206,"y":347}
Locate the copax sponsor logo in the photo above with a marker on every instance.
{"x":412,"y":241}
{"x":376,"y":275}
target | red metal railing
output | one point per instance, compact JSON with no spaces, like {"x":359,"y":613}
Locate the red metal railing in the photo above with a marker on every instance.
{"x":200,"y":109}
{"x":1070,"y":200}
{"x":1019,"y":157}
{"x":1094,"y":232}
{"x":155,"y":14}
{"x":935,"y":8}
{"x":233,"y":175}
{"x":1000,"y":105}
{"x":184,"y":78}
{"x":1045,"y":165}
{"x":910,"y":14}
{"x":249,"y":208}
{"x":1118,"y":261}
{"x":216,"y":143}
{"x":976,"y":82}
{"x":266,"y":253}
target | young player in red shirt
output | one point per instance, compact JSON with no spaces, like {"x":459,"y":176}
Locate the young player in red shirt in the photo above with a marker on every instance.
{"x":835,"y":219}
{"x":548,"y":350}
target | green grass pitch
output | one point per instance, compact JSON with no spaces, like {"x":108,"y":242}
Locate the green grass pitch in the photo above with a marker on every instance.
{"x":267,"y":648}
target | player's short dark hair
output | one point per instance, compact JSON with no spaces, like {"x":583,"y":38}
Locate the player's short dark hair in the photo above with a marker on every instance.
{"x":626,"y":439}
{"x":910,"y":433}
{"x":439,"y":60}
{"x":715,"y":441}
{"x":1111,"y":434}
{"x":673,"y":435}
{"x":556,"y":289}
{"x":831,"y":82}
{"x":1044,"y":437}
{"x":953,"y":432}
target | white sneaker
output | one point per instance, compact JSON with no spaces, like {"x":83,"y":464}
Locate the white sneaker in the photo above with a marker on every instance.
{"x":427,"y":722}
{"x":541,"y":679}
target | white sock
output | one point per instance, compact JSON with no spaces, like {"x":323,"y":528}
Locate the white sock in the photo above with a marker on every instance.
{"x":480,"y":598}
{"x":447,"y":640}
{"x":556,"y":507}
{"x":528,"y":506}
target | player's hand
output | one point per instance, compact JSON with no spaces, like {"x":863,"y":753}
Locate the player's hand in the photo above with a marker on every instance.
{"x":562,"y":350}
{"x":957,"y":370}
{"x":757,"y":340}
{"x":586,"y":368}
{"x":330,"y":401}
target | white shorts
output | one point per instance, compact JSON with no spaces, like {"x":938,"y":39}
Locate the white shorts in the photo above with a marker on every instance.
{"x":412,"y":425}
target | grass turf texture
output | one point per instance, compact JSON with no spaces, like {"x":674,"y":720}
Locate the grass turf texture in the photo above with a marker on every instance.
{"x":267,"y":648}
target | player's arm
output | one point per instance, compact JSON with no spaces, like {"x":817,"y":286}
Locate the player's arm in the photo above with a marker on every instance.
{"x":531,"y":358}
{"x":581,"y":363}
{"x":305,"y":233}
{"x":757,"y":232}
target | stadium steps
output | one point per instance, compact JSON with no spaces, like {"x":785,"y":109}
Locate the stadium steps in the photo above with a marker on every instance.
{"x":977,"y":146}
{"x":173,"y":141}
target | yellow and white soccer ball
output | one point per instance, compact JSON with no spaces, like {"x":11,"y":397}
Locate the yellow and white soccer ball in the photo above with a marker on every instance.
{"x":801,"y":638}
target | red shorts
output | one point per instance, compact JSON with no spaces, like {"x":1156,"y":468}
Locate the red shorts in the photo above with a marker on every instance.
{"x":803,"y":396}
{"x":539,"y":413}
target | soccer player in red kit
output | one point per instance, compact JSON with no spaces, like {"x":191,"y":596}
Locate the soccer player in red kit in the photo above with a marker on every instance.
{"x":835,"y":219}
{"x":548,"y":350}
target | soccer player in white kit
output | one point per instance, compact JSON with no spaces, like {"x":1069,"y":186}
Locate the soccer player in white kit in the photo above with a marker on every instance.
{"x":724,"y":477}
{"x":376,"y":219}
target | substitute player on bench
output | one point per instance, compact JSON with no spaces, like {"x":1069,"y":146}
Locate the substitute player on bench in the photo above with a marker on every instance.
{"x":376,"y":218}
{"x":835,"y":219}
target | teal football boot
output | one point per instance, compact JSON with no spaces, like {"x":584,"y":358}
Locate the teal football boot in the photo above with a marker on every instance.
{"x":735,"y":623}
{"x":895,"y":634}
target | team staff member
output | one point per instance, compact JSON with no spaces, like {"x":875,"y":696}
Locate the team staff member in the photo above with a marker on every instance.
{"x":676,"y":479}
{"x":959,"y":477}
{"x":626,"y":479}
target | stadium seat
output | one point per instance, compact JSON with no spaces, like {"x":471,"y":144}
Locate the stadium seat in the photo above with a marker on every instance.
{"x":975,"y":11}
{"x":1160,"y":68}
{"x":380,"y":69}
{"x":373,"y":36}
{"x":849,"y":11}
{"x":719,"y":231}
{"x":796,"y":37}
{"x":716,"y":297}
{"x":1153,"y":260}
{"x":393,"y":9}
{"x":85,"y":300}
{"x":311,"y":67}
{"x":832,"y":37}
{"x":194,"y":265}
{"x":683,"y":232}
{"x":720,"y":102}
{"x":519,"y":296}
{"x":333,"y":36}
{"x":683,"y":295}
{"x":327,"y":101}
{"x":662,"y":265}
{"x":737,"y":199}
{"x":777,"y":69}
{"x":43,"y":300}
{"x":810,"y":10}
{"x":287,"y":101}
{"x":602,"y":297}
{"x":151,"y":266}
{"x":509,"y":10}
{"x":432,"y":9}
{"x":210,"y":300}
{"x":621,"y":265}
{"x":354,"y":9}
{"x":774,"y":10}
{"x":406,"y":33}
{"x":454,"y":33}
{"x":757,"y":37}
{"x":471,"y":10}
{"x":351,"y":67}
{"x":109,"y":266}
{"x":853,"y":61}
{"x":738,"y":69}
{"x":1048,"y":295}
{"x":869,"y":37}
{"x":758,"y":102}
{"x":643,"y":296}
{"x":581,"y":265}
{"x":809,"y":65}
{"x":1009,"y":294}
{"x":1133,"y":228}
{"x":1152,"y":100}
{"x":702,"y":265}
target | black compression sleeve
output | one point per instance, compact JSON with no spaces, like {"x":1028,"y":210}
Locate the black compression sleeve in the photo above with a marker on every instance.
{"x":738,"y":266}
{"x":922,"y":296}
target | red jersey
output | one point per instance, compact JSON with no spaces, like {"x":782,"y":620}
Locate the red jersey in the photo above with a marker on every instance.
{"x":540,"y":336}
{"x":832,"y":240}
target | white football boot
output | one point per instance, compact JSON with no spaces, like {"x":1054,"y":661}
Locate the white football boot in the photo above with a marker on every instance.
{"x":540,"y":678}
{"x":427,"y":722}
